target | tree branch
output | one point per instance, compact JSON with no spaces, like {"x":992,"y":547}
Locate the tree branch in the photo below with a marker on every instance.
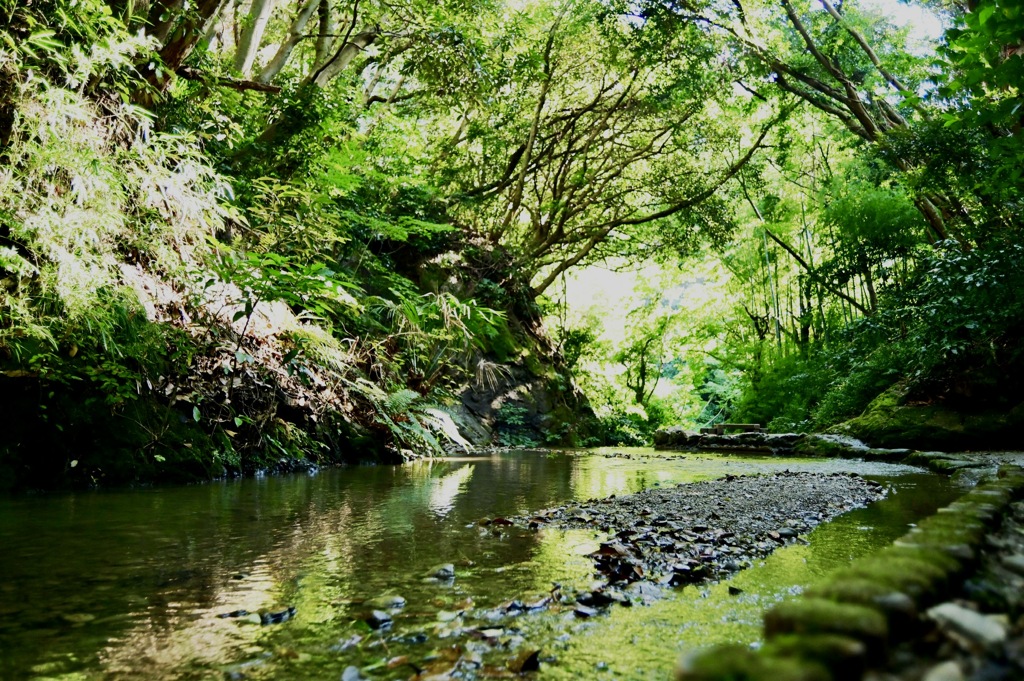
{"x":189,"y":73}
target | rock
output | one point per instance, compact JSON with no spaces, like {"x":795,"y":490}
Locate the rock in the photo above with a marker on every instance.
{"x":845,"y":658}
{"x":379,"y":619}
{"x":277,"y":617}
{"x":734,"y":590}
{"x":644,"y":590}
{"x":820,"y":616}
{"x":526,"y":661}
{"x":443,"y":571}
{"x":386,"y":603}
{"x":584,"y":611}
{"x":1014,"y":562}
{"x":971,"y":629}
{"x":946,"y":671}
{"x":352,"y":673}
{"x":233,"y":613}
{"x":786,"y":532}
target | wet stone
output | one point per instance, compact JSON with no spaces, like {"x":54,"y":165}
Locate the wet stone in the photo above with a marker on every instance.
{"x":278,"y":617}
{"x":379,"y":619}
{"x":442,"y":571}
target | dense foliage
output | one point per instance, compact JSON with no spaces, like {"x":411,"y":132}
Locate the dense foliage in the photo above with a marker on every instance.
{"x":235,"y":232}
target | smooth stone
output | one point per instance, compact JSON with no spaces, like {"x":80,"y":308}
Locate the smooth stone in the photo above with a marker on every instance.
{"x":352,"y":673}
{"x":585,"y":611}
{"x":787,"y":532}
{"x":946,"y":671}
{"x":378,"y":619}
{"x":977,"y":629}
{"x":442,"y":571}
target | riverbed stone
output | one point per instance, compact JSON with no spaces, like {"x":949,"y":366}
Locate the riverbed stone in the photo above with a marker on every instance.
{"x":820,"y":616}
{"x":971,"y":629}
{"x":443,"y":571}
{"x":379,"y":619}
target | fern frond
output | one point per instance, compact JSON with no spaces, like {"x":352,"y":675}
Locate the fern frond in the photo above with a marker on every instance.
{"x":400,"y":401}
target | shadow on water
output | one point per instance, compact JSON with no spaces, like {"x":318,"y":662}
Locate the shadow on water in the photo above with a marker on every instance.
{"x":129,"y":584}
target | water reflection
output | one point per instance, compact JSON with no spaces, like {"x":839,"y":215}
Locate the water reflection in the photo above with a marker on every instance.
{"x":130,"y":584}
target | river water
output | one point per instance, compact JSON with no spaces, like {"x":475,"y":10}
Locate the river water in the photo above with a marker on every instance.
{"x":130,"y":584}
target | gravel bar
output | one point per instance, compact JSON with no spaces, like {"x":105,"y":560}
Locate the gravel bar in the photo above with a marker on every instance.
{"x":705,"y":530}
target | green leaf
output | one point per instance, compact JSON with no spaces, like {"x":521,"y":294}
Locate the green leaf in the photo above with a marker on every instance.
{"x":195,"y":414}
{"x":985,"y":14}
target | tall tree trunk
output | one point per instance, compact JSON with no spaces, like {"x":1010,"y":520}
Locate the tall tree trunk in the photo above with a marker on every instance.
{"x":252,"y":35}
{"x":349,"y":50}
{"x":328,"y":27}
{"x":284,"y":52}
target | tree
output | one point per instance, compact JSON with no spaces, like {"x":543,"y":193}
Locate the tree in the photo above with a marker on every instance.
{"x":592,"y":142}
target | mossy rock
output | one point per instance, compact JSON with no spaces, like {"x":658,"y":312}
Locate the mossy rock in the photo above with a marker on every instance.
{"x":990,"y":494}
{"x":821,"y":616}
{"x":918,"y":579}
{"x":845,"y":658}
{"x":1012,"y":477}
{"x":889,"y":421}
{"x":973,"y":509}
{"x":943,"y":534}
{"x":934,"y":556}
{"x":900,"y":610}
{"x":738,"y":663}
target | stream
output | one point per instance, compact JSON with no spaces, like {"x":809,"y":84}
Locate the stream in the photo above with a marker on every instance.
{"x":133,"y":584}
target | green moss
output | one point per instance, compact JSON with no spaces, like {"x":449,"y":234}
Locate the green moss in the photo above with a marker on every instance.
{"x":951,"y":465}
{"x":820,"y":616}
{"x":917,"y":579}
{"x":899,"y":609}
{"x":844,"y":658}
{"x":990,"y":494}
{"x":889,"y":421}
{"x":737,"y":663}
{"x":973,"y":509}
{"x":933,"y":556}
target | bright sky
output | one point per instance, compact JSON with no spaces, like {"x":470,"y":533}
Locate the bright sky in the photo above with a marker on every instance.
{"x":925,"y":26}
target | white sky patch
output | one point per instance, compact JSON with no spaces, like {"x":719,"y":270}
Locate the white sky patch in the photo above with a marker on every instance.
{"x":925,"y":26}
